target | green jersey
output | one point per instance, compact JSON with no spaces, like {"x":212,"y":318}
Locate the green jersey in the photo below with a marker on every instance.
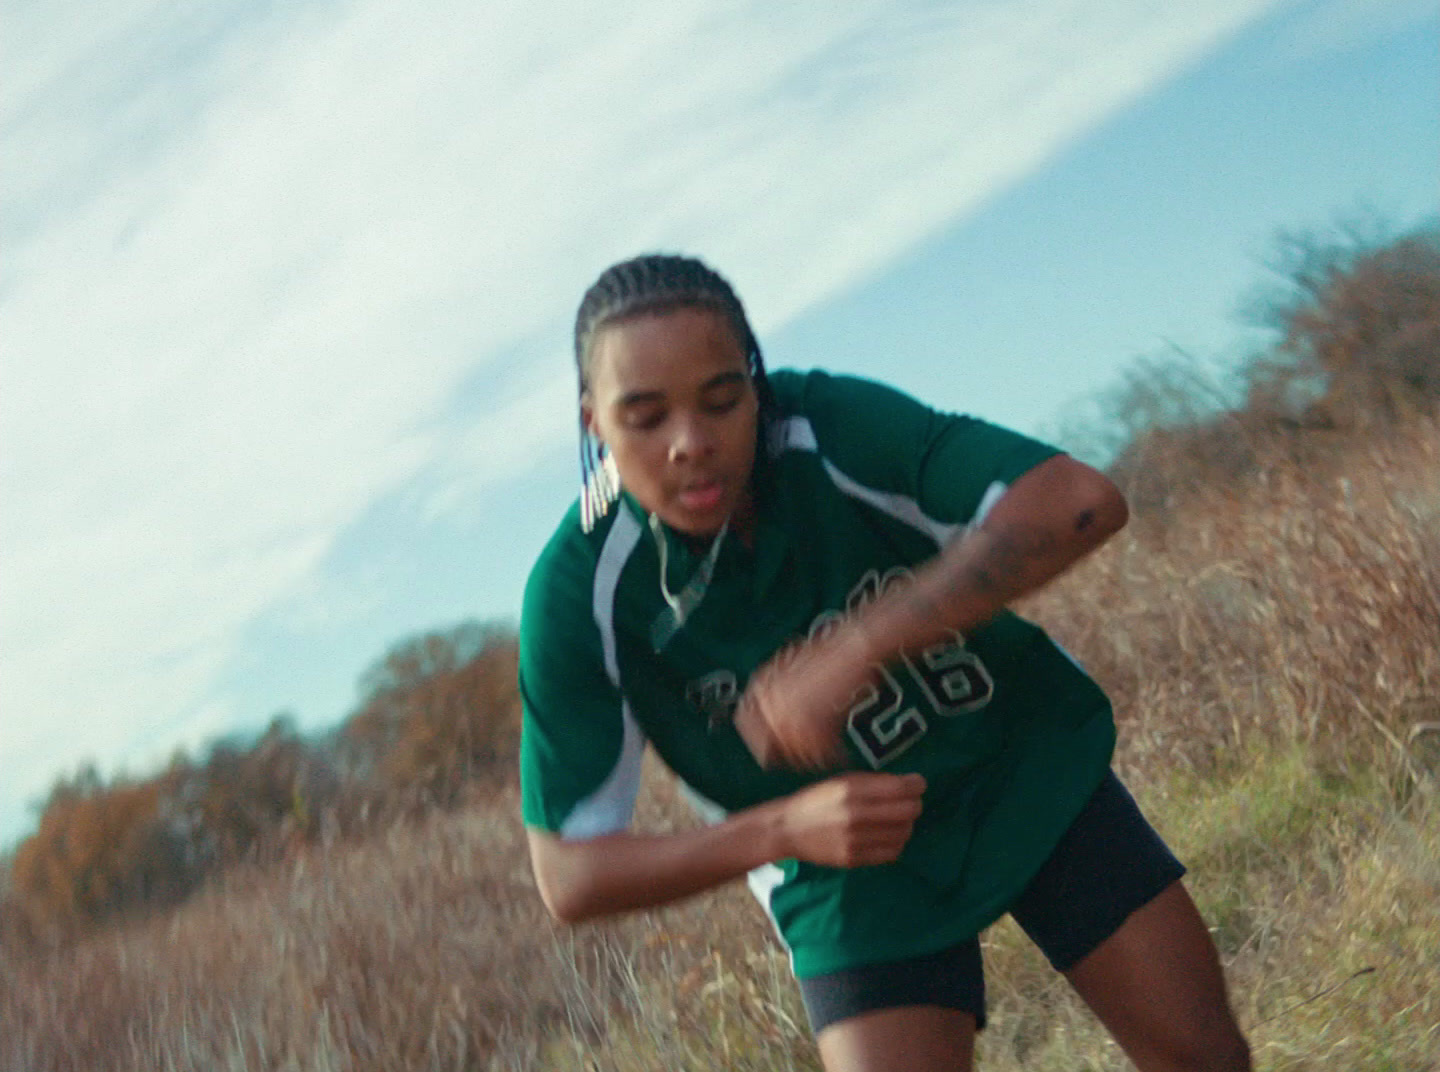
{"x":859,"y":485}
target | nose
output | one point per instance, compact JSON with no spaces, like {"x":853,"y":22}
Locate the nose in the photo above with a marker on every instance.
{"x":691,"y":440}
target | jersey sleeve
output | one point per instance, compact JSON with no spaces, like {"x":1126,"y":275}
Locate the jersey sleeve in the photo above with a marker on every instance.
{"x":953,"y":467}
{"x":580,"y":751}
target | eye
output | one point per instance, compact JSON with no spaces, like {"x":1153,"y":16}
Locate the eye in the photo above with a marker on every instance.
{"x":644,"y":420}
{"x":723,"y":402}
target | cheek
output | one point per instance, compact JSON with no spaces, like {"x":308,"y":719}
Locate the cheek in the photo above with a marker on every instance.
{"x":743,"y":434}
{"x":739,"y":438}
{"x":640,"y":460}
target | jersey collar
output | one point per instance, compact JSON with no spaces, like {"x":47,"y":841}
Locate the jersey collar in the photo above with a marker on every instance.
{"x":690,"y":570}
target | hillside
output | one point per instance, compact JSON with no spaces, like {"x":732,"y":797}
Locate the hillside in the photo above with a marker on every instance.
{"x":1268,"y":627}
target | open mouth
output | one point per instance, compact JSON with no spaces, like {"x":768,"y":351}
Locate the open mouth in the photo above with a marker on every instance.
{"x":702,"y":496}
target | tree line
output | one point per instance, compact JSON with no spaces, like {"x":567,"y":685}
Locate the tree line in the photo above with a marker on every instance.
{"x":438,"y":723}
{"x":1355,"y":320}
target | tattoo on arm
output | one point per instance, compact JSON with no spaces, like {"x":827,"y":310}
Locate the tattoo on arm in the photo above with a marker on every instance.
{"x":997,"y":567}
{"x":996,"y":563}
{"x":921,"y":604}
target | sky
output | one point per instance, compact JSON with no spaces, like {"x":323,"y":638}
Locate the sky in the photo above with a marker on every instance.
{"x":286,"y":289}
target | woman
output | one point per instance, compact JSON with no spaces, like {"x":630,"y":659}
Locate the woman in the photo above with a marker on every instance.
{"x":794,"y":587}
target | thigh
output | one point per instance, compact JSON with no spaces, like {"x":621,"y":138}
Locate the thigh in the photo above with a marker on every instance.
{"x":912,"y":1038}
{"x":953,"y":978}
{"x":1157,"y":986}
{"x":1109,"y":864}
{"x":1109,"y":910}
{"x":920,"y":1013}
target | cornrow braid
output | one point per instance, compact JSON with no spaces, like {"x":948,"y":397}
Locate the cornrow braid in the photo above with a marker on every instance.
{"x":645,"y":285}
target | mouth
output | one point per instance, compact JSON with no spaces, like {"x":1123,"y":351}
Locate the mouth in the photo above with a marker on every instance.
{"x":701,"y":496}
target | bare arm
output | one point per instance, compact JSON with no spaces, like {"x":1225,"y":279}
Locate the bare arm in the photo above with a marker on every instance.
{"x":850,"y":821}
{"x":794,"y":709}
{"x":1048,"y":520}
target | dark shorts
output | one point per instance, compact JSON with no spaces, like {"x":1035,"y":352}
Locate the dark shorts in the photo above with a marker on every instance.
{"x":1109,"y":863}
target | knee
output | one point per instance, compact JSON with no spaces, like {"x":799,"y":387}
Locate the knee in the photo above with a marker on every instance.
{"x":1229,"y":1055}
{"x":1218,"y":1048}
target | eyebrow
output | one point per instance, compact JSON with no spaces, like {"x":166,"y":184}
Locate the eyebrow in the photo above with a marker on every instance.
{"x":635,"y":398}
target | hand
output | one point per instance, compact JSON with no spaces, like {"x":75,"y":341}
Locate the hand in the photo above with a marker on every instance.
{"x":794,"y":709}
{"x":852,"y":820}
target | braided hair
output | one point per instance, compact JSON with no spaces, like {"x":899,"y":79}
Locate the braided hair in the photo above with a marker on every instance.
{"x":651,"y":284}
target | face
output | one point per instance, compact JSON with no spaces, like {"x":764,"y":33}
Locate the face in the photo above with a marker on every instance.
{"x":670,"y":395}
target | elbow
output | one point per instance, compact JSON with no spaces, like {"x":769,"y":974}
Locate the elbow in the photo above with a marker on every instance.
{"x":566,"y":908}
{"x":562,"y":900}
{"x":562,"y":880}
{"x":1111,"y":508}
{"x":1077,"y":503}
{"x":564,"y":911}
{"x":1100,"y":509}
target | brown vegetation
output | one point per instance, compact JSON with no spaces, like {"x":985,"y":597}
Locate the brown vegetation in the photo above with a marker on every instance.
{"x":1358,"y":330}
{"x":448,"y":709}
{"x":439,"y":723}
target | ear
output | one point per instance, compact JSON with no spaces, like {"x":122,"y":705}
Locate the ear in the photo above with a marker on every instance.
{"x":587,"y":417}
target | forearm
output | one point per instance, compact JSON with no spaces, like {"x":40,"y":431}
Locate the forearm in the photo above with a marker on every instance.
{"x":1050,"y":519}
{"x":581,"y":880}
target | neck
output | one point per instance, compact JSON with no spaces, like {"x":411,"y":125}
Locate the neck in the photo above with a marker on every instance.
{"x":742,"y":519}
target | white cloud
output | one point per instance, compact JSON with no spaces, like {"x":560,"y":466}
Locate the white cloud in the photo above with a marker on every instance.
{"x":252,"y":260}
{"x":504,"y":442}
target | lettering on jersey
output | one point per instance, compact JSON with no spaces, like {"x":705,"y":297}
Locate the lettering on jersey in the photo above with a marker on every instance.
{"x":951,"y":679}
{"x":872,"y":585}
{"x":716,"y":695}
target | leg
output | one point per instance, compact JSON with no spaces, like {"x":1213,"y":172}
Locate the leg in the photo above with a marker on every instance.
{"x":1109,"y":911}
{"x":1157,"y":987}
{"x":918,"y":1014}
{"x":914,"y":1038}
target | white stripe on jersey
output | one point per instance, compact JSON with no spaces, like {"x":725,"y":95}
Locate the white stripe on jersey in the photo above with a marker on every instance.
{"x":608,"y":809}
{"x":793,"y":433}
{"x":796,"y":433}
{"x":763,"y":880}
{"x":900,"y":507}
{"x":619,"y":545}
{"x":992,"y":495}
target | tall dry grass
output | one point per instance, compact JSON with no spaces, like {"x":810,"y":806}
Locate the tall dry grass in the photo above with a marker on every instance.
{"x":1274,"y":654}
{"x":1301,"y":607}
{"x":424,"y":948}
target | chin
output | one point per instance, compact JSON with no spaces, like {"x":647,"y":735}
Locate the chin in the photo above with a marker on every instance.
{"x":700,"y":524}
{"x":697,"y":525}
{"x":700,"y":530}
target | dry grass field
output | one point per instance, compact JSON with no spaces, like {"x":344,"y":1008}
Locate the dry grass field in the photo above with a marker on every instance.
{"x":1274,"y":656}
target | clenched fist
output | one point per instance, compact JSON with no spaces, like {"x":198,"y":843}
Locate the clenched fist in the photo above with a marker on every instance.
{"x":793,"y":711}
{"x":852,"y":820}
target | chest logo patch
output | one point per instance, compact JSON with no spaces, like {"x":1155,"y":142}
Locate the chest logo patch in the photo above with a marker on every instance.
{"x":716,"y":695}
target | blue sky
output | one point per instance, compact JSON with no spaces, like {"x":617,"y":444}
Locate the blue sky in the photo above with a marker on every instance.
{"x":286,"y":290}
